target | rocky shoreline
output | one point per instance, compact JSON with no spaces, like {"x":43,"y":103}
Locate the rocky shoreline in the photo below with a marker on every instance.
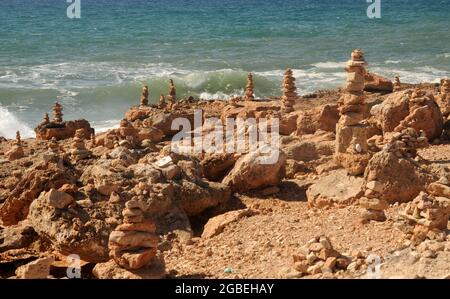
{"x":362,"y":176}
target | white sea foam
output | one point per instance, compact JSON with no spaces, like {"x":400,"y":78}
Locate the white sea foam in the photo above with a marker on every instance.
{"x":329,"y":65}
{"x":105,"y":125}
{"x":9,"y":124}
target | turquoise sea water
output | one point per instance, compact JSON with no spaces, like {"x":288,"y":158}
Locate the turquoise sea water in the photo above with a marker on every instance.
{"x":96,"y":65}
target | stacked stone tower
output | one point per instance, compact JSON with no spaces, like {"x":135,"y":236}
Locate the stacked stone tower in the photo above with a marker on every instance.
{"x":57,"y":113}
{"x":397,"y":84}
{"x":351,"y":134}
{"x":134,"y":243}
{"x":443,"y":99}
{"x":289,"y":92}
{"x":249,"y":88}
{"x":172,"y":93}
{"x":78,"y":148}
{"x":144,"y":96}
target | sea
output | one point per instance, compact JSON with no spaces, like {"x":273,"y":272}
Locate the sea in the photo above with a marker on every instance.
{"x":95,"y":65}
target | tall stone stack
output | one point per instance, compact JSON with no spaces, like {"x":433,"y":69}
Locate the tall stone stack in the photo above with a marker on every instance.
{"x":172,"y":94}
{"x":78,"y":149}
{"x":397,"y":84}
{"x":144,"y":96}
{"x":443,"y":98}
{"x":57,"y":113}
{"x":134,"y":243}
{"x":289,"y":92}
{"x":351,"y":134}
{"x":249,"y":88}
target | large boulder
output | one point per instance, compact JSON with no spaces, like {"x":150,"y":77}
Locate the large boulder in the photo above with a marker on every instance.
{"x":261,"y":168}
{"x":63,"y":130}
{"x":399,"y":106}
{"x":30,"y":185}
{"x":78,"y":230}
{"x":321,"y":118}
{"x":398,"y":180}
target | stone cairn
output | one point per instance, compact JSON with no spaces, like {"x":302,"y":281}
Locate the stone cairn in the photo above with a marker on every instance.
{"x":318,"y":256}
{"x":46,"y":119}
{"x":404,"y":144}
{"x":18,"y":140}
{"x":397,"y":84}
{"x":418,"y":100}
{"x":57,"y":113}
{"x":134,"y":243}
{"x":172,"y":94}
{"x":16,"y":151}
{"x":128,"y":134}
{"x":428,"y":213}
{"x":144,"y":96}
{"x":78,"y":147}
{"x":249,"y":88}
{"x":351,"y":134}
{"x":53,"y":146}
{"x":289,"y":92}
{"x":162,"y":102}
{"x":443,"y":98}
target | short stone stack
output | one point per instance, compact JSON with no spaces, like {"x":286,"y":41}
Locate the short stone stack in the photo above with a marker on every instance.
{"x":249,"y":95}
{"x":144,"y":96}
{"x":162,"y":102}
{"x":127,"y":133}
{"x":404,"y":144}
{"x":46,"y":119}
{"x":371,"y":202}
{"x":57,"y":113}
{"x":319,"y":256}
{"x":351,"y":134}
{"x":78,"y":149}
{"x":428,"y":211}
{"x":397,"y":84}
{"x":53,"y":146}
{"x":16,"y":151}
{"x":289,"y":92}
{"x":134,"y":243}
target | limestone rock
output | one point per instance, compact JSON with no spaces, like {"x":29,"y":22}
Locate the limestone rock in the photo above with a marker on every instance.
{"x":346,"y":189}
{"x":58,"y":199}
{"x":261,"y":168}
{"x":399,"y":179}
{"x":110,"y":270}
{"x":409,"y":109}
{"x":377,"y":83}
{"x":38,"y":269}
{"x":215,"y":225}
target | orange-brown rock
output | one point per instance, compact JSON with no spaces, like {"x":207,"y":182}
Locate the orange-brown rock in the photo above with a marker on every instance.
{"x":443,"y":99}
{"x":62,"y":130}
{"x":320,"y":118}
{"x":377,"y":83}
{"x":414,"y":109}
{"x":144,"y":96}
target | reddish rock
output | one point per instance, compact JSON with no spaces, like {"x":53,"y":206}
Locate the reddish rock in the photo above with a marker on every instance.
{"x":62,"y":130}
{"x":377,"y":83}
